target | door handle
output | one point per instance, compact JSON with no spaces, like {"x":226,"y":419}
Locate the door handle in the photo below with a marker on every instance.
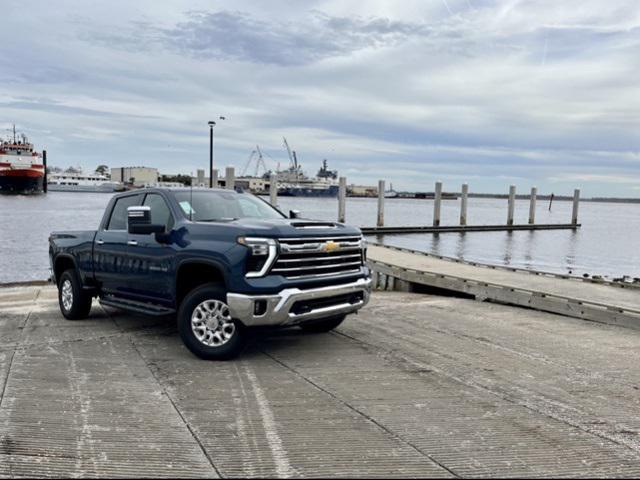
{"x":100,"y":242}
{"x":133,"y":243}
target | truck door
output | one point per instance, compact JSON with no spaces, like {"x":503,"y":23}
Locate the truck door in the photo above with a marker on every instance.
{"x":110,"y":248}
{"x":152,"y":274}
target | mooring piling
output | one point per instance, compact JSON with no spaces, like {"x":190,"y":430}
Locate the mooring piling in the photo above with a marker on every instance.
{"x":230,"y":178}
{"x":463,"y":203}
{"x":273,"y":189}
{"x":44,"y":164}
{"x":437,"y":201}
{"x":512,"y":204}
{"x":381,"y":188}
{"x":532,"y":205}
{"x":342,"y":196}
{"x":576,"y":202}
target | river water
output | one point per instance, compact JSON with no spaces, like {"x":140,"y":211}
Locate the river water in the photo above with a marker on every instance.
{"x":605,"y":245}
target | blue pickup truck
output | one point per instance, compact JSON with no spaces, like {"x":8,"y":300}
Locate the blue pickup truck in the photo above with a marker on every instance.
{"x":221,"y":261}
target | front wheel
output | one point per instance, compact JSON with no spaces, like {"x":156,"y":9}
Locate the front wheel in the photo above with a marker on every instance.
{"x":206,"y":326}
{"x":75,"y":303}
{"x":322,"y":326}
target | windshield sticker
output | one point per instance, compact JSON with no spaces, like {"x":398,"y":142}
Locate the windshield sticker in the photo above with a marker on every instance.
{"x":186,"y":207}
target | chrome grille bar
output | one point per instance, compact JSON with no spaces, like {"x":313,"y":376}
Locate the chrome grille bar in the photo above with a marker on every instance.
{"x":319,"y":256}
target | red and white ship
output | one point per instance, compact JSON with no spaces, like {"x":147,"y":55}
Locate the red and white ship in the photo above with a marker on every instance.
{"x":21,"y":168}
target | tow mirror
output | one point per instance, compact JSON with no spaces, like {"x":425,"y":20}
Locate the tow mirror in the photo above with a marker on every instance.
{"x":294,"y":213}
{"x":139,"y":221}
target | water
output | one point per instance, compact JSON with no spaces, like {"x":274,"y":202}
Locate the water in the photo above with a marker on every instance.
{"x":605,"y":245}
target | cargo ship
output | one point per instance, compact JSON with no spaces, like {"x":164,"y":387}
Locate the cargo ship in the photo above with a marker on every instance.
{"x":21,"y":167}
{"x":294,"y":183}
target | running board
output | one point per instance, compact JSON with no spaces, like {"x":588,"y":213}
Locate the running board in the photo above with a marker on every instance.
{"x":138,"y":307}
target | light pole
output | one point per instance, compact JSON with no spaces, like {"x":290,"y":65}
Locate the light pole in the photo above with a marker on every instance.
{"x":211,"y":125}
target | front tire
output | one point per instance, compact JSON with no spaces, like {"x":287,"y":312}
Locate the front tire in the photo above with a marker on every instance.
{"x":206,"y":326}
{"x":75,"y":303}
{"x":323,"y":326}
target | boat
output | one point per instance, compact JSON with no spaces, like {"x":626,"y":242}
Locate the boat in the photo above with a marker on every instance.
{"x":21,"y":167}
{"x":73,"y":180}
{"x":293,"y":182}
{"x":391,"y":193}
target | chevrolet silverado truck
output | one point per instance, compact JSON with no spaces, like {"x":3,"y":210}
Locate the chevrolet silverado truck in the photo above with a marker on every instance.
{"x":221,"y":261}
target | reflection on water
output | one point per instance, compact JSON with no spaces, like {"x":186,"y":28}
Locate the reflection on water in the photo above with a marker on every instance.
{"x":605,"y":245}
{"x":508,"y":248}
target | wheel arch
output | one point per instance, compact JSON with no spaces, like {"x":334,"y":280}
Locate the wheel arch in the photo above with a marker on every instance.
{"x":191,"y":274}
{"x":61,"y":263}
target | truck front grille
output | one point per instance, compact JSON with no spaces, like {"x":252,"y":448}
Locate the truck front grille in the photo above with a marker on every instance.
{"x":319,"y":257}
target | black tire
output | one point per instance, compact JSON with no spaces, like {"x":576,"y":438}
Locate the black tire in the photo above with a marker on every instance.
{"x":322,"y":326}
{"x":213,"y":296}
{"x":78,"y":305}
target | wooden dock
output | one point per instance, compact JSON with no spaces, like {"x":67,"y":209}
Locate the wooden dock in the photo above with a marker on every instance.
{"x":468,"y":228}
{"x":396,"y":268}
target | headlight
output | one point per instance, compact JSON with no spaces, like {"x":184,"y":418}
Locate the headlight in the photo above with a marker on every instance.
{"x":262,"y":253}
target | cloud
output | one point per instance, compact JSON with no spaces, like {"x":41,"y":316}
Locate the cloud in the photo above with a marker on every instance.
{"x":238,"y":36}
{"x":541,"y":91}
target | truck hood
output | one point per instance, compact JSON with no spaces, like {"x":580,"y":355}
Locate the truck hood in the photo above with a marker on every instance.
{"x":293,"y":228}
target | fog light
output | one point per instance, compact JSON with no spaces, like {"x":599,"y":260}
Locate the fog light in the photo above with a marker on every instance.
{"x":259,"y":307}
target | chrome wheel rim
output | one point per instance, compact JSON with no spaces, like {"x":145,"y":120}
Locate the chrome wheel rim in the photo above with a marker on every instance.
{"x":67,"y":295}
{"x":212,"y":324}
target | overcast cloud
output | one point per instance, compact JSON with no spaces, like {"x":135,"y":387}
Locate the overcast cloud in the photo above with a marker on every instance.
{"x":535,"y":92}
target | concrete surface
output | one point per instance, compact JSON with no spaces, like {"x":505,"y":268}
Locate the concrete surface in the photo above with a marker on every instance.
{"x":414,"y":386}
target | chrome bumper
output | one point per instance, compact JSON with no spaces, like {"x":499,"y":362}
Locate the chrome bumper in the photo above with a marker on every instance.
{"x":278,"y":307}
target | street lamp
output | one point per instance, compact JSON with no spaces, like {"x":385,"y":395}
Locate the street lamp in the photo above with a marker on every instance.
{"x":211,"y":125}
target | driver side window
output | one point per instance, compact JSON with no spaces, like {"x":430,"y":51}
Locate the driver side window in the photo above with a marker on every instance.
{"x":118,"y":219}
{"x":160,"y":213}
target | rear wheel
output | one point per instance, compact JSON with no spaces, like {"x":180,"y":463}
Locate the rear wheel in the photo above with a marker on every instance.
{"x":75,"y":303}
{"x":206,"y":326}
{"x":322,"y":326}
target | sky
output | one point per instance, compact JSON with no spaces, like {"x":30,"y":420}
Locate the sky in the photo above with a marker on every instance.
{"x":487,"y":92}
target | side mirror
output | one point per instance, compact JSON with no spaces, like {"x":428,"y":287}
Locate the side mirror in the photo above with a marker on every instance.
{"x":139,"y":221}
{"x":294,"y":213}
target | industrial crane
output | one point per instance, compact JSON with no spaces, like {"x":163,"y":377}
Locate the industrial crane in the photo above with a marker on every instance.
{"x":259,"y":162}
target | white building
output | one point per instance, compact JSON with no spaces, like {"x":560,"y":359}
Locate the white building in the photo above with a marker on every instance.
{"x":137,"y":176}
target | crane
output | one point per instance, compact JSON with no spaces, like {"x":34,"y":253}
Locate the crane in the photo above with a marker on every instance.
{"x":259,"y":162}
{"x":292,"y":156}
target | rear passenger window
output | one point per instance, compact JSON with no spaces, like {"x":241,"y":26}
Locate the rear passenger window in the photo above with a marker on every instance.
{"x":118,"y":220}
{"x":160,"y":213}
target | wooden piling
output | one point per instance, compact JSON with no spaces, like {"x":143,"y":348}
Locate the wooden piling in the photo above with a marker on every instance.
{"x":463,"y":204}
{"x":46,"y":175}
{"x":342,"y":197}
{"x":230,"y":178}
{"x":576,"y":202}
{"x":512,"y":204}
{"x":273,"y":189}
{"x":437,"y":200}
{"x":532,"y":206}
{"x":214,"y":178}
{"x":381,"y":188}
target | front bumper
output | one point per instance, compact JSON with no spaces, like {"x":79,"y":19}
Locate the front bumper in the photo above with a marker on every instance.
{"x":279,"y":309}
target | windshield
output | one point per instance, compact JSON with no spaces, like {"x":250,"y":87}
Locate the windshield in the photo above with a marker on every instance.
{"x":216,"y":206}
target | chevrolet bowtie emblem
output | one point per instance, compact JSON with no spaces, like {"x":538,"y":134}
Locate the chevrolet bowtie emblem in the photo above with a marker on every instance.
{"x":331,"y":246}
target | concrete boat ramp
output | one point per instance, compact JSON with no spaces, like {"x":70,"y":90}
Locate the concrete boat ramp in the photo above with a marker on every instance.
{"x":416,"y":385}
